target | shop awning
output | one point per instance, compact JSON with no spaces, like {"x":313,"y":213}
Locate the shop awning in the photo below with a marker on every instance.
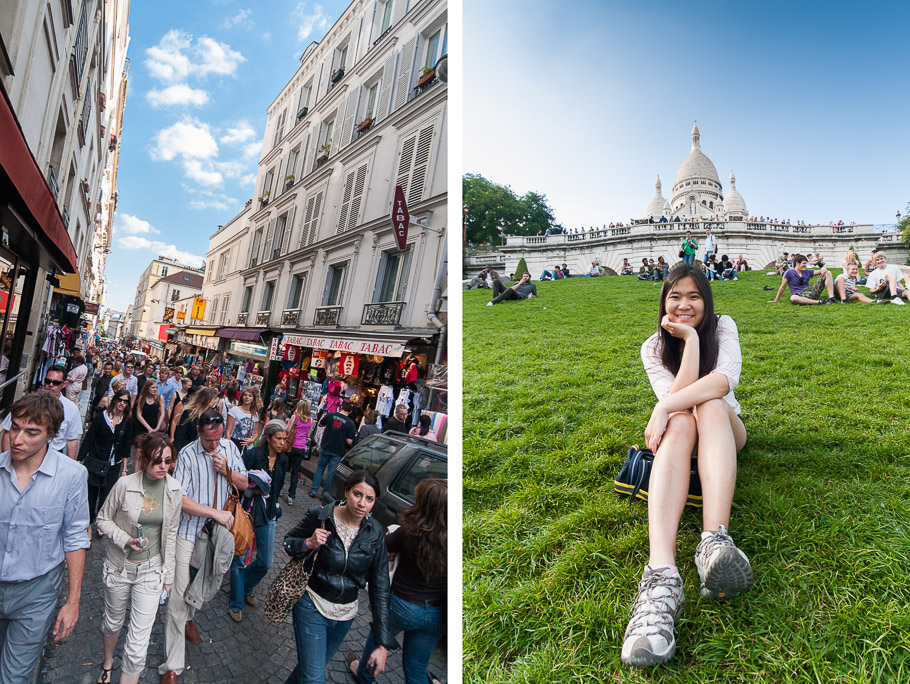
{"x":377,"y":346}
{"x":251,"y":334}
{"x":18,"y":163}
{"x":70,"y":284}
{"x":204,"y":332}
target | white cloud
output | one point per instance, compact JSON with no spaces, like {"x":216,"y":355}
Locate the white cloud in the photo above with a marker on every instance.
{"x":310,"y":20}
{"x":249,"y":179}
{"x":135,"y":242}
{"x":127,"y":224}
{"x":176,"y":58}
{"x":252,"y":150}
{"x":237,"y":19}
{"x":231,"y":169}
{"x":204,"y":175}
{"x":189,"y":138}
{"x":209,"y":199}
{"x":177,"y":95}
{"x":240,"y":133}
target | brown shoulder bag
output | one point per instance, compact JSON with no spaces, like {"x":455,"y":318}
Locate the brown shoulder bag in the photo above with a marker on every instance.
{"x":243,"y":523}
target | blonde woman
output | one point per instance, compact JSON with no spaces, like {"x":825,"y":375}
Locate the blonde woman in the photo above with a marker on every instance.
{"x":138,"y":566}
{"x":183,"y":428}
{"x":243,"y":420}
{"x":117,"y":384}
{"x":298,"y":432}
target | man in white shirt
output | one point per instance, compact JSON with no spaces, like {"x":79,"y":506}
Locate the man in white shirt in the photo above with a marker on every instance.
{"x":885,"y":281}
{"x":593,"y":271}
{"x":132,"y":382}
{"x":67,"y":439}
{"x":710,"y":245}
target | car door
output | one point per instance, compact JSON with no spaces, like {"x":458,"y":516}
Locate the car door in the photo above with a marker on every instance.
{"x":398,"y":493}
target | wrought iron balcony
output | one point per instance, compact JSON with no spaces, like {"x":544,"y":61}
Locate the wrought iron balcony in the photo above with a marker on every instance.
{"x":290,"y":317}
{"x":327,"y":315}
{"x":262,"y":318}
{"x":241,"y":318}
{"x":383,"y":313}
{"x":52,"y":180}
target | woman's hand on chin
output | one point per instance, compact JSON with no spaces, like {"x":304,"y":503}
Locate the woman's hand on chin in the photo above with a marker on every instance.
{"x":678,"y":330}
{"x":657,"y":425}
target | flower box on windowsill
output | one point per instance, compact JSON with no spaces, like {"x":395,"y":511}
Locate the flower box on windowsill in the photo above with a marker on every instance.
{"x":302,"y":112}
{"x":365,"y":124}
{"x":337,"y":75}
{"x":289,"y":180}
{"x":426,"y":78}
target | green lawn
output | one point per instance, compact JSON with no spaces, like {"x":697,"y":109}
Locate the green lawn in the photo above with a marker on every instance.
{"x":555,"y":393}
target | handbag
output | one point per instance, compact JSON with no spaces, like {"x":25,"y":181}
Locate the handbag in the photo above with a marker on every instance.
{"x":96,"y":466}
{"x":633,"y":477}
{"x":681,"y":254}
{"x":292,"y":434}
{"x":289,"y":586}
{"x":243,"y":524}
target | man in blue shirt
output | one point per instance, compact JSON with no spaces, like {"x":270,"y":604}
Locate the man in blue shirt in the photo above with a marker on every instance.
{"x":43,"y":518}
{"x":165,"y":387}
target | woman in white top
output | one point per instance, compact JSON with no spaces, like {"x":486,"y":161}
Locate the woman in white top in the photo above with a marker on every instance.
{"x":243,"y":420}
{"x":693,"y":362}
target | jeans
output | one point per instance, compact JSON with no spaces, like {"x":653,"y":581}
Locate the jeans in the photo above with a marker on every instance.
{"x":712,"y":274}
{"x":294,"y":458}
{"x":317,"y":638}
{"x":501,"y":292}
{"x":689,"y":259}
{"x":244,"y":580}
{"x":423,"y":627}
{"x":327,"y":463}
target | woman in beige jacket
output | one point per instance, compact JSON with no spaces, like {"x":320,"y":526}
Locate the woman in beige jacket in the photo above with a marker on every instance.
{"x":138,"y":565}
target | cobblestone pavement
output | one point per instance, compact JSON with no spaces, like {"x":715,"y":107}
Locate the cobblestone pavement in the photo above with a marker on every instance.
{"x":252,"y":651}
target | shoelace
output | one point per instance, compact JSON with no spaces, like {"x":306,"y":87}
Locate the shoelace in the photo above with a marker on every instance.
{"x":716,"y":540}
{"x":658,"y":606}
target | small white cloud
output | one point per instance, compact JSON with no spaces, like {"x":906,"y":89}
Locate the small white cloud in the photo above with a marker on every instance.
{"x":209,"y":199}
{"x":127,"y":224}
{"x":190,"y":139}
{"x":135,"y":242}
{"x":237,"y":19}
{"x":176,"y":58}
{"x":231,"y":169}
{"x":204,"y":175}
{"x":252,"y":150}
{"x":177,"y":95}
{"x":240,"y":133}
{"x":267,"y":36}
{"x":310,"y":21}
{"x":249,"y":179}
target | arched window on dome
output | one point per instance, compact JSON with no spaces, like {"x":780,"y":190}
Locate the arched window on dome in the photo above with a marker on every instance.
{"x":710,"y":205}
{"x":703,"y":203}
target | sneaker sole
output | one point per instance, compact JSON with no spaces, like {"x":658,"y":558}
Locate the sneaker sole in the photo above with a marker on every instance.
{"x":643,"y":657}
{"x":728,"y":576}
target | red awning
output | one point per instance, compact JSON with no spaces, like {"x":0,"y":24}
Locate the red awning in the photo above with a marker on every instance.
{"x":17,"y":161}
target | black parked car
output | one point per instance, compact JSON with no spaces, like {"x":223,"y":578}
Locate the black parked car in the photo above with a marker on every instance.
{"x":399,"y":462}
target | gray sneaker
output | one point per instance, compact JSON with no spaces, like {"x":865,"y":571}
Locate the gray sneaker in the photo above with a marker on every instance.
{"x":723,"y":569}
{"x":651,"y":635}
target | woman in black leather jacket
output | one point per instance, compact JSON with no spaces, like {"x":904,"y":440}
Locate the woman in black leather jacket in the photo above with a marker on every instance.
{"x":351,"y":551}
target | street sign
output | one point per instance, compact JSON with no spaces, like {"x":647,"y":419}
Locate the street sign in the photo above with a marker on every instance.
{"x":400,"y":218}
{"x":168,"y":315}
{"x":198,"y":309}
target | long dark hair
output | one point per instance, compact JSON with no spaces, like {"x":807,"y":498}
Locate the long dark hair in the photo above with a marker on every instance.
{"x":426,"y":522}
{"x":670,"y":347}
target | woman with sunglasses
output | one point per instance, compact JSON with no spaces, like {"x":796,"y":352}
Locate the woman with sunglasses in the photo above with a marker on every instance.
{"x":105,"y":450}
{"x":140,"y":520}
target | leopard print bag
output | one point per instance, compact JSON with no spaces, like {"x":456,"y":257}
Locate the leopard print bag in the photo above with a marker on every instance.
{"x":289,"y":586}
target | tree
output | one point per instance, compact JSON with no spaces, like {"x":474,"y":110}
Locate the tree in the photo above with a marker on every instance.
{"x":538,"y":213}
{"x":521,"y":268}
{"x":493,"y":210}
{"x":903,"y":228}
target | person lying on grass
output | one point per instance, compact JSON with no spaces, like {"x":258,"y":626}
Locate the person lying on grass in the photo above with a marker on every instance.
{"x":693,"y":362}
{"x":885,"y":281}
{"x":846,"y":285}
{"x":801,"y":292}
{"x":523,"y":289}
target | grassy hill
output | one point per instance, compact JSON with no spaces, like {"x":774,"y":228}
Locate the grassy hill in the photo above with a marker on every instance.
{"x":555,"y":393}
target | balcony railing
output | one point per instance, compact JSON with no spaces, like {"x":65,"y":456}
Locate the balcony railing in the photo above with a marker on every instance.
{"x":383,"y":313}
{"x":53,"y":182}
{"x":241,"y":318}
{"x":290,"y":316}
{"x":80,"y":51}
{"x":327,"y":315}
{"x":262,"y":318}
{"x":86,"y":110}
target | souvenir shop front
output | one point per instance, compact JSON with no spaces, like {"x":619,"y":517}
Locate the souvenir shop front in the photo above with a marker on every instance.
{"x":245,"y":352}
{"x":374,"y":373}
{"x":198,"y":345}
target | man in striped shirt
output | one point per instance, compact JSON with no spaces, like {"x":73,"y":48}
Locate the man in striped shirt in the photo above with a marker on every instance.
{"x":201,"y":470}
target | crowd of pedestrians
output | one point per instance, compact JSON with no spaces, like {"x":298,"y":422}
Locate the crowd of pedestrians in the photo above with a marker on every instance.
{"x":174,"y":466}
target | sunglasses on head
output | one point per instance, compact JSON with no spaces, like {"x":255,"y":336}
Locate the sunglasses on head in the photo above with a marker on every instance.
{"x":214,"y":420}
{"x":55,"y":383}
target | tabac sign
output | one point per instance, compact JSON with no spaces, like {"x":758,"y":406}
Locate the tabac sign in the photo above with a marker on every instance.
{"x":400,"y":218}
{"x":378,"y":348}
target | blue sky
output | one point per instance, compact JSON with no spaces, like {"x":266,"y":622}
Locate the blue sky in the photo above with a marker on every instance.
{"x":201,"y":77}
{"x":587,"y":102}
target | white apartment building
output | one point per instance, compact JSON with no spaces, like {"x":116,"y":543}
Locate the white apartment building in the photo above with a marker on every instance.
{"x":229,"y":250}
{"x":162,"y":284}
{"x":60,"y":62}
{"x":364,"y":113}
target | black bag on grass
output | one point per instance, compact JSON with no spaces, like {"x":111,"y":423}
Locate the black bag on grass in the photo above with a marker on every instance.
{"x":632,"y":480}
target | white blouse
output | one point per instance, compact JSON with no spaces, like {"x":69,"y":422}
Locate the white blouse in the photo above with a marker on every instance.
{"x":729,"y":361}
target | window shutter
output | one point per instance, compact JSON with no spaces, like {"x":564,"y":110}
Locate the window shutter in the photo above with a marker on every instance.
{"x":403,"y":84}
{"x":319,"y":91}
{"x":404,"y":164}
{"x":356,"y":197}
{"x":288,"y":229}
{"x":399,"y":11}
{"x":267,"y":245}
{"x":347,"y":130}
{"x":385,"y":92}
{"x":373,"y":27}
{"x":307,"y":218}
{"x":347,"y":188}
{"x":358,"y":41}
{"x":403,"y":276}
{"x":257,"y":241}
{"x":380,"y":277}
{"x":421,"y":164}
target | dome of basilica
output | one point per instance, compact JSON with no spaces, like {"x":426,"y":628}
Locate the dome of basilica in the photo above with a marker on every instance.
{"x":696,"y":164}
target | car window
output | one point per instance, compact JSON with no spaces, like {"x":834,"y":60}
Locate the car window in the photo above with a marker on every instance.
{"x":371,"y":454}
{"x":424,"y":466}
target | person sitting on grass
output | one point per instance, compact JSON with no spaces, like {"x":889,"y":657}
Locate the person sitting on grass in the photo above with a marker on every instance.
{"x":693,"y":363}
{"x":626,"y":268}
{"x":663,"y":268}
{"x":646,"y":270}
{"x":593,"y":270}
{"x":710,"y":267}
{"x":555,"y":274}
{"x":742,"y":264}
{"x":523,"y":289}
{"x":852,"y":256}
{"x":565,"y":271}
{"x":727,"y":269}
{"x":846,"y":285}
{"x":798,"y":279}
{"x":885,"y":281}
